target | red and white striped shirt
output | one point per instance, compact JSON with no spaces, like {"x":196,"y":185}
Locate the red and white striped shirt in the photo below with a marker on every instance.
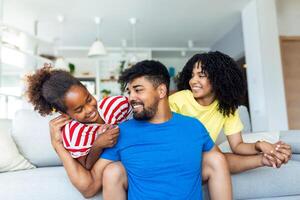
{"x":78,"y":138}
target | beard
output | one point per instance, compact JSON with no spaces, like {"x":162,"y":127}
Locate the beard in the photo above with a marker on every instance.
{"x":147,"y":113}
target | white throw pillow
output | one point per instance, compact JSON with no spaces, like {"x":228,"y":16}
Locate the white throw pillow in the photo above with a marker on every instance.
{"x":271,"y":137}
{"x":10,"y":158}
{"x":30,"y":131}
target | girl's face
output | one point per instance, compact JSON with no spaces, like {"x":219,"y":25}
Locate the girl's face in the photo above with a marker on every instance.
{"x":81,"y":105}
{"x":200,"y":84}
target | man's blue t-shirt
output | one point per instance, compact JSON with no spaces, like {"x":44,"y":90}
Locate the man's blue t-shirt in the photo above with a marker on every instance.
{"x":163,"y":161}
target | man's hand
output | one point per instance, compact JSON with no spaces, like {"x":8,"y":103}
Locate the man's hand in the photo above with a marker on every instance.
{"x":270,"y":161}
{"x":55,"y":126}
{"x":109,"y":138}
{"x":285,"y":150}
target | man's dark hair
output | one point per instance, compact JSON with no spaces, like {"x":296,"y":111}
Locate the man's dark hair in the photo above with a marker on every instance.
{"x":226,"y":77}
{"x":47,"y":87}
{"x":152,"y":70}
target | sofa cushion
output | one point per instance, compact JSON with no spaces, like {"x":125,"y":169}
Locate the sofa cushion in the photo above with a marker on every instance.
{"x":267,"y":182}
{"x":31,"y":134}
{"x":10,"y":158}
{"x":45,"y":183}
{"x":296,"y":197}
{"x":296,"y":157}
{"x":292,"y":138}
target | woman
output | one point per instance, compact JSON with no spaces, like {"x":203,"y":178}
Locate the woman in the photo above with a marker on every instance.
{"x":211,"y":87}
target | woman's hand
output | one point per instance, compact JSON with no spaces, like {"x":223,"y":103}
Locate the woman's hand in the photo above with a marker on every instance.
{"x":279,"y":151}
{"x":55,"y":126}
{"x":108,"y":138}
{"x":265,"y":147}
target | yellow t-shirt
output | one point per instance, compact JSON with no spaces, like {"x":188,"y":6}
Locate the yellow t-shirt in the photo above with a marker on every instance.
{"x":183,"y":102}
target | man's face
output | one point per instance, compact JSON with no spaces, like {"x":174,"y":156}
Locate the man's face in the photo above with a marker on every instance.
{"x":144,"y":98}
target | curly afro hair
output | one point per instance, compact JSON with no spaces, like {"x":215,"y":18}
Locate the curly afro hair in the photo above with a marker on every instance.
{"x":46,"y":89}
{"x":226,"y":78}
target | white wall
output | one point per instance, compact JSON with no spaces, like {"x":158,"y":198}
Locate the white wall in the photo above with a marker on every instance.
{"x":264,"y":68}
{"x":288,"y":17}
{"x":232,"y":43}
{"x":176,"y":62}
{"x":101,"y":69}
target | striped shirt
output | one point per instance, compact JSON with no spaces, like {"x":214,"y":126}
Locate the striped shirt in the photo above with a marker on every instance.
{"x":78,"y":138}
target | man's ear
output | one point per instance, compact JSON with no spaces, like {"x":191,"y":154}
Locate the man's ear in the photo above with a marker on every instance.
{"x":162,"y":90}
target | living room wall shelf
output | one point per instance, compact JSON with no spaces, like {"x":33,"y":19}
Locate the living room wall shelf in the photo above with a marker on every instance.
{"x":109,"y":80}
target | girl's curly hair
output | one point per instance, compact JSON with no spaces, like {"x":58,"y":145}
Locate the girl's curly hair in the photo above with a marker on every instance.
{"x":46,"y":89}
{"x":226,"y":78}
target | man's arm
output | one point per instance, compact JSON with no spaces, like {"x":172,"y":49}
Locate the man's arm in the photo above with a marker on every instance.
{"x":87,"y":182}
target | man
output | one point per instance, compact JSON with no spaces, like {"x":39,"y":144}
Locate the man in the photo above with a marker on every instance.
{"x":160,"y":150}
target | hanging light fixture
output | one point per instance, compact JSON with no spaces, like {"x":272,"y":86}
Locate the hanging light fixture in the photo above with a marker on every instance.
{"x":97,"y":48}
{"x":190,"y":44}
{"x":60,"y":61}
{"x":133,"y":59}
{"x":123,"y":48}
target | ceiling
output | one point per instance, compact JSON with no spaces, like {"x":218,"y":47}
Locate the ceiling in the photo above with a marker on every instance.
{"x":161,"y":23}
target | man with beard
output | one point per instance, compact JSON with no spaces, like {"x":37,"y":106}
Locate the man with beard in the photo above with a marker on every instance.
{"x":161,"y":151}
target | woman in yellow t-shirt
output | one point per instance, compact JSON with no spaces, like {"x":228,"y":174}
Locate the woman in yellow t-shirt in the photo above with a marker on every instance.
{"x":211,"y":87}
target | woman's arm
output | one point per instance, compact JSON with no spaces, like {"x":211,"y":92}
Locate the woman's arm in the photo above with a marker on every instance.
{"x":239,"y":147}
{"x":87,"y":182}
{"x":274,"y":150}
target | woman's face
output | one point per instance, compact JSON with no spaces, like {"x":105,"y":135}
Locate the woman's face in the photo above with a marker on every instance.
{"x":81,"y":105}
{"x":200,"y":84}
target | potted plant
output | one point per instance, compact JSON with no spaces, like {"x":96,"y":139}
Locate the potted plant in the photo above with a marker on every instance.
{"x":105,"y":93}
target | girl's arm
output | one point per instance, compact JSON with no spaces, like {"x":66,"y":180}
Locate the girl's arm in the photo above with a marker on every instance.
{"x":87,"y":182}
{"x":104,"y":140}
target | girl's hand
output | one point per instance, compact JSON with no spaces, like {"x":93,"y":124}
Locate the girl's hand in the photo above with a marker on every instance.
{"x":108,"y":138}
{"x":55,"y":126}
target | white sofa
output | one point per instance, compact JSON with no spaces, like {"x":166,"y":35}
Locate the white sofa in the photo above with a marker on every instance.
{"x":49,"y":180}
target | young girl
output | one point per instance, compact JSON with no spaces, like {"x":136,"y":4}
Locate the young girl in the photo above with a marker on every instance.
{"x":211,"y":86}
{"x":92,"y":127}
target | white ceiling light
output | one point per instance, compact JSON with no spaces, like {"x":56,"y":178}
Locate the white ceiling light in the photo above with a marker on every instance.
{"x":124,"y":43}
{"x":123,"y":51}
{"x":60,"y":61}
{"x":60,"y":18}
{"x":183,"y":53}
{"x":190,"y":44}
{"x":97,"y":48}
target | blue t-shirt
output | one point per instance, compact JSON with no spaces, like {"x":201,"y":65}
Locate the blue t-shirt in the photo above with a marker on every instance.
{"x":163,"y":161}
